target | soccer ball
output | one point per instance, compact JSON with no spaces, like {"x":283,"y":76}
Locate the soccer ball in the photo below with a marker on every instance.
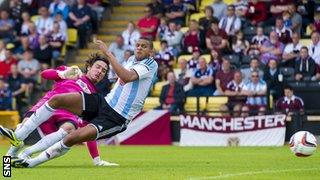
{"x":303,"y":143}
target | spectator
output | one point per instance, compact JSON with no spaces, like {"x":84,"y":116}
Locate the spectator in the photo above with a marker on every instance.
{"x":157,"y":8}
{"x":33,"y":37}
{"x":24,"y":29}
{"x":43,"y":53}
{"x":254,"y":66}
{"x":257,"y":12}
{"x":230,"y":23}
{"x":131,"y":36}
{"x":44,"y":23}
{"x":127,"y":55}
{"x":162,"y":28}
{"x":241,"y":7}
{"x":277,"y":8}
{"x":215,"y":61}
{"x":148,"y":24}
{"x":5,"y":96}
{"x":290,"y":103}
{"x":194,"y":61}
{"x":96,"y":6}
{"x":56,"y":40}
{"x":240,"y":46}
{"x":305,"y":66}
{"x":165,"y":60}
{"x":284,"y":34}
{"x":6,"y":26}
{"x":271,"y":76}
{"x":223,"y":77}
{"x":315,"y":26}
{"x":192,"y":37}
{"x":117,"y":48}
{"x":58,"y":18}
{"x":257,"y":42}
{"x":29,"y":67}
{"x":184,"y":75}
{"x":271,"y":49}
{"x":296,"y":19}
{"x":18,"y":87}
{"x":177,"y":12}
{"x":17,"y":7}
{"x":173,"y":37}
{"x":7,"y":63}
{"x":79,"y":17}
{"x":219,"y":9}
{"x":235,"y":98}
{"x":2,"y":51}
{"x":314,"y":47}
{"x":202,"y":80}
{"x":172,"y":95}
{"x":217,"y":39}
{"x":307,"y":11}
{"x":291,"y":51}
{"x":205,"y":22}
{"x":256,"y":90}
{"x":59,"y":6}
{"x":286,"y":16}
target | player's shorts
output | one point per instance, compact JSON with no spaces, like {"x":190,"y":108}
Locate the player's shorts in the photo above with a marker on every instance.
{"x":101,"y":116}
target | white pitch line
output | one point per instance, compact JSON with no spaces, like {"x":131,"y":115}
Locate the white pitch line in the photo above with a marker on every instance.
{"x":251,"y":173}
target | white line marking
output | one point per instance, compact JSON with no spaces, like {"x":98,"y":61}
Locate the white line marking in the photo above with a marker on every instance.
{"x":251,"y":173}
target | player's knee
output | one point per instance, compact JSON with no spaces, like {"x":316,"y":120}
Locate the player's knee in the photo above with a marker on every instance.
{"x":68,"y":127}
{"x":54,"y":101}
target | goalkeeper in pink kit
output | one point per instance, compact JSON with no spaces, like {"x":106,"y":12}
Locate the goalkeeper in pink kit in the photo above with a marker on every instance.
{"x":67,"y":80}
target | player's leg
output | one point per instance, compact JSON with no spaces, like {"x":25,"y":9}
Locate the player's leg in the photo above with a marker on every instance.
{"x":84,"y":134}
{"x":49,"y":140}
{"x":69,"y":101}
{"x":94,"y":152}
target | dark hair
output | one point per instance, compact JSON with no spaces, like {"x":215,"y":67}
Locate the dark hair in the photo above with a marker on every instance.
{"x":149,"y":41}
{"x":209,"y":8}
{"x":305,"y":48}
{"x":94,"y":57}
{"x":287,"y":86}
{"x":163,"y":42}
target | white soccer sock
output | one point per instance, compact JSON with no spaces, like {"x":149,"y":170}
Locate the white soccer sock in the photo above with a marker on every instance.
{"x":57,"y":150}
{"x":38,"y":117}
{"x":44,"y":143}
{"x":13,"y":151}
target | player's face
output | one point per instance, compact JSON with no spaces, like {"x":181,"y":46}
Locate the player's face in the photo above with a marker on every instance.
{"x":97,"y":71}
{"x":143,"y":49}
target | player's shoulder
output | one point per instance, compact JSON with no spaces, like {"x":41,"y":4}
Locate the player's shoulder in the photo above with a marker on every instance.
{"x":150,"y":62}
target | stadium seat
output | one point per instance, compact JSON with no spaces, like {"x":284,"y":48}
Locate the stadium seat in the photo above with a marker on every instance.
{"x":308,"y":31}
{"x":205,"y":3}
{"x":305,"y":42}
{"x":288,"y":73}
{"x":34,"y":18}
{"x":151,"y":103}
{"x":234,"y":60}
{"x":228,"y":1}
{"x":214,"y":104}
{"x":197,"y":16}
{"x":184,"y":29}
{"x":207,"y":57}
{"x":191,"y":104}
{"x":298,"y":84}
{"x":72,"y":37}
{"x":157,"y":88}
{"x":156,"y":45}
{"x":246,"y":59}
{"x":249,"y":32}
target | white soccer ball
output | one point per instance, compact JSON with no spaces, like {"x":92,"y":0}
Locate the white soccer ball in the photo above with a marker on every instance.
{"x":303,"y":143}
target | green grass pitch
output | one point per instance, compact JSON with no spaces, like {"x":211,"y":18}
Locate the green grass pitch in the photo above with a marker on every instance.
{"x":172,"y":162}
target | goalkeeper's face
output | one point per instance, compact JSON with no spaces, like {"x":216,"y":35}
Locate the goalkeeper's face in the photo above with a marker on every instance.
{"x":97,"y":71}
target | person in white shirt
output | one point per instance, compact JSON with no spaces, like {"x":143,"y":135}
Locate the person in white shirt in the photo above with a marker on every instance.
{"x":314,"y":47}
{"x":44,"y":23}
{"x":131,"y":35}
{"x":173,"y":37}
{"x":291,"y":51}
{"x":230,"y":23}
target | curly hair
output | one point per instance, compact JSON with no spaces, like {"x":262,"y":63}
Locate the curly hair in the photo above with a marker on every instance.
{"x":94,"y":57}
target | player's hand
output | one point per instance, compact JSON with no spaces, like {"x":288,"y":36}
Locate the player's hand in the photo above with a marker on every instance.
{"x":104,"y":48}
{"x":72,"y":72}
{"x":105,"y":163}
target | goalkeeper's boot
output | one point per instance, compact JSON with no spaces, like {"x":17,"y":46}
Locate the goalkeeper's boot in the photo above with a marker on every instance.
{"x":19,"y":163}
{"x":11,"y":136}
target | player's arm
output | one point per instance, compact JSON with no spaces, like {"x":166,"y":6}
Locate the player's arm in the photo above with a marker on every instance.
{"x":61,"y":72}
{"x":124,"y":74}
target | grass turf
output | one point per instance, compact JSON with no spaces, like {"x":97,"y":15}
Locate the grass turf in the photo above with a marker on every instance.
{"x":172,"y":162}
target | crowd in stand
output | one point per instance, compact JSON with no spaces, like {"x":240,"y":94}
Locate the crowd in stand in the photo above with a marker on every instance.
{"x":242,"y":50}
{"x":32,"y":36}
{"x":254,"y":49}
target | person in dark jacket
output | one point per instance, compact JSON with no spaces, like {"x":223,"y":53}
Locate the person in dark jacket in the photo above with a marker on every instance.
{"x":172,"y":95}
{"x":305,"y":67}
{"x":271,"y":76}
